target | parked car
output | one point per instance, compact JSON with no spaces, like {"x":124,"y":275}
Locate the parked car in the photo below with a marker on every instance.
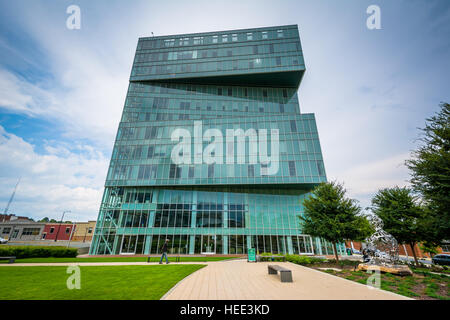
{"x":443,"y":259}
{"x":354,"y":251}
{"x":3,"y":240}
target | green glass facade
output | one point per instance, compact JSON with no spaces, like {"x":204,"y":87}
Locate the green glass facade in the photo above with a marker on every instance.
{"x":246,"y":197}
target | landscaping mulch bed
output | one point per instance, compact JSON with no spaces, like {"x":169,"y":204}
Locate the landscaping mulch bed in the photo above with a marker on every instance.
{"x":421,"y":285}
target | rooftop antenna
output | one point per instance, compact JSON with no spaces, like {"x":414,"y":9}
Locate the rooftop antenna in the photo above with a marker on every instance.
{"x":12,"y":197}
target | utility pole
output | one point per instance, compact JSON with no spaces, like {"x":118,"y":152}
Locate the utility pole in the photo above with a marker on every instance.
{"x":59,"y":227}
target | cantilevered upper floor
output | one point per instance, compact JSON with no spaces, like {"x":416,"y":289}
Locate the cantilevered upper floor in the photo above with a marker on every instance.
{"x":270,"y":56}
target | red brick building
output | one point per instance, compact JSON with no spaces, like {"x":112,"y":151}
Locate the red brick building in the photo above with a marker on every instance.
{"x":63,"y":230}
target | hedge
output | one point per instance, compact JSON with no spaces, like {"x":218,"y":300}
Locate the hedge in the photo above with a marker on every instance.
{"x":267,"y":256}
{"x":298,"y":259}
{"x":21,"y":252}
{"x":303,"y":260}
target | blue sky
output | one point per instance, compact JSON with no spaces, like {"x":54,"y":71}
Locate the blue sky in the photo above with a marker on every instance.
{"x":62,"y":91}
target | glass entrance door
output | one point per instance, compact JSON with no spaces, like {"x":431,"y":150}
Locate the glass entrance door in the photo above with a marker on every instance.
{"x":128,"y":245}
{"x":208,"y":244}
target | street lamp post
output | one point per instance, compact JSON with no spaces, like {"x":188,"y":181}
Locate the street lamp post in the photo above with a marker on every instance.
{"x":59,"y":227}
{"x":71,"y":233}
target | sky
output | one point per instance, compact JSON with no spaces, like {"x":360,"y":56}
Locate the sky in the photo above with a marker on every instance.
{"x":62,"y":91}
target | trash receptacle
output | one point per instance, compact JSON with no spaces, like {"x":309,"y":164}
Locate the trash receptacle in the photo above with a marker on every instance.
{"x":349,"y":251}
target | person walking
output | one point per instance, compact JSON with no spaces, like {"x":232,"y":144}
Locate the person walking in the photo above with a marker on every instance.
{"x":164,"y":252}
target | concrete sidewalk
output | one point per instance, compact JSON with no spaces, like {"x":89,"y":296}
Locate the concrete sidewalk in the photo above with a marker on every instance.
{"x":239,"y":279}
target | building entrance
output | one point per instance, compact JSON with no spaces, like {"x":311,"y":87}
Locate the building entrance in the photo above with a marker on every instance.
{"x":208,"y":244}
{"x":128,"y":245}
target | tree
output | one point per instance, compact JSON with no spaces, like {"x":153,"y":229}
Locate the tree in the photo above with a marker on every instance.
{"x":403,"y":217}
{"x":429,"y":248}
{"x":44,"y":219}
{"x":430,"y":166}
{"x":328,"y":214}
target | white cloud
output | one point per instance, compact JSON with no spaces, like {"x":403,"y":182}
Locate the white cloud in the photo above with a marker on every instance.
{"x":52,"y":182}
{"x":363,"y":181}
{"x":20,"y":96}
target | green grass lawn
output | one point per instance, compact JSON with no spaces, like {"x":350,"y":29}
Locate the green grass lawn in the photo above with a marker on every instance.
{"x":418,"y":286}
{"x":446,"y":271}
{"x":103,"y":282}
{"x":116,"y":259}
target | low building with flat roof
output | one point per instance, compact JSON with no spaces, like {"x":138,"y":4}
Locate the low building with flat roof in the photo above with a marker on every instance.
{"x":84,"y":231}
{"x":58,"y":231}
{"x":21,"y":230}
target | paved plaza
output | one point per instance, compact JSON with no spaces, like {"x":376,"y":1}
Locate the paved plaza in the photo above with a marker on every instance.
{"x":241,"y":280}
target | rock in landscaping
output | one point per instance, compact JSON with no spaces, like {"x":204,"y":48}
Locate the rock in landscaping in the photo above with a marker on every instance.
{"x":400,"y":270}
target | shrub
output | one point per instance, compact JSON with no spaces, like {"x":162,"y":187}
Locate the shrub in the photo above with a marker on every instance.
{"x":21,"y":252}
{"x":266,"y":256}
{"x":298,"y":259}
{"x":303,"y":260}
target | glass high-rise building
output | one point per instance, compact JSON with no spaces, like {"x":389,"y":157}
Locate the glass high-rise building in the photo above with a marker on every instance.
{"x":212,"y":150}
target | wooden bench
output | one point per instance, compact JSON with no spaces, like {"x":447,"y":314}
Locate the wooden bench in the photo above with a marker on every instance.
{"x":285,"y":274}
{"x":11,"y":259}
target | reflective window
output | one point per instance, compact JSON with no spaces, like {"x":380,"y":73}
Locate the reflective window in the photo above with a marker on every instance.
{"x":211,"y":171}
{"x":251,"y":170}
{"x":278,"y":59}
{"x":292,"y":171}
{"x":169,"y":42}
{"x":293,"y":126}
{"x":198,"y":40}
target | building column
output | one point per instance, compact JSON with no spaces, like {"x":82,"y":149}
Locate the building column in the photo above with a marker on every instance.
{"x":155,"y":196}
{"x":93,"y":248}
{"x":225,"y":210}
{"x":194,"y":210}
{"x":249,"y":242}
{"x":148,"y":244}
{"x":225,"y":244}
{"x":312,"y":246}
{"x":319,"y":246}
{"x":151,"y":219}
{"x":193,"y":222}
{"x":289,"y":245}
{"x":283,"y":244}
{"x":191,"y":244}
{"x":116,"y":240}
